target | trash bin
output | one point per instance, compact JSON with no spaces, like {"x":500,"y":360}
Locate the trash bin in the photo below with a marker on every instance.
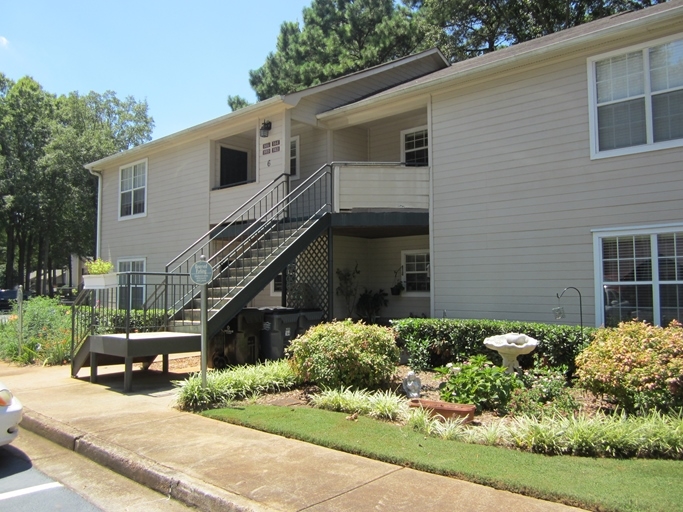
{"x":248,"y":335}
{"x":278,"y":329}
{"x":308,"y":318}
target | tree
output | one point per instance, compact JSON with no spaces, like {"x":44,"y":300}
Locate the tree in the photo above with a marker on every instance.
{"x":237,"y":102}
{"x":48,"y":198}
{"x":464,"y":29}
{"x":338,"y":37}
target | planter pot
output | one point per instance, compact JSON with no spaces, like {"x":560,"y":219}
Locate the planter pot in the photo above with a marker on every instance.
{"x":445,"y":409}
{"x":100,"y":281}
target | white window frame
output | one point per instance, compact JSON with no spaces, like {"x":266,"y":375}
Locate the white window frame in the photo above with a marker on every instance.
{"x":408,"y":293}
{"x":251,"y":173}
{"x":650,"y":145}
{"x":294,"y":141}
{"x":652,"y":231}
{"x":132,"y":191}
{"x":415,"y":130}
{"x":122,"y":283}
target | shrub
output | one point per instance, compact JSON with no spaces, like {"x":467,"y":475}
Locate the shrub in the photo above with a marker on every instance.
{"x":236,"y":383}
{"x":639,"y":365}
{"x":99,"y":266}
{"x":434,"y":342}
{"x":345,"y":354}
{"x":478,"y":382}
{"x":545,"y":391}
{"x":46,"y":333}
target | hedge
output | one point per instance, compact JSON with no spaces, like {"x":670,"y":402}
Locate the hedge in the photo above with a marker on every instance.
{"x":432,"y":342}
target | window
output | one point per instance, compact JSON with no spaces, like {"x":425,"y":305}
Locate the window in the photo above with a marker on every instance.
{"x":133,"y":190}
{"x":234,"y":167}
{"x":416,"y":270}
{"x":294,"y":161}
{"x":640,"y":276}
{"x":415,"y":146}
{"x":637,"y":99}
{"x":135,"y":298}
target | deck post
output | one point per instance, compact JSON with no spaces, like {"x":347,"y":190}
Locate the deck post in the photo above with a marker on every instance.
{"x":128,"y":375}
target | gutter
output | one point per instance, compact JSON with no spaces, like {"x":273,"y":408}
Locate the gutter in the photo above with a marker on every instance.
{"x":190,"y":133}
{"x":98,"y":227}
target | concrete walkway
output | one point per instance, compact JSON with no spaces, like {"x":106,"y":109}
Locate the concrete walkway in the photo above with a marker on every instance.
{"x":217,"y":466}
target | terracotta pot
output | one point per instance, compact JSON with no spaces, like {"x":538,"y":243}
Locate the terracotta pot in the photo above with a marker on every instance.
{"x":445,"y":409}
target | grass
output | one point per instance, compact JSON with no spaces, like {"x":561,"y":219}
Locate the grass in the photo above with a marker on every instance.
{"x":234,"y":383}
{"x":591,"y":483}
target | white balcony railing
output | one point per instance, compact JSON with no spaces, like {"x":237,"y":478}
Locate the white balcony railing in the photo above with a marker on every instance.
{"x":380,"y":186}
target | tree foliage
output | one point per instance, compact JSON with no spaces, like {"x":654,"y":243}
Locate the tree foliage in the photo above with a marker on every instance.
{"x":237,"y":102}
{"x":464,"y":29}
{"x":337,"y":37}
{"x":48,"y":199}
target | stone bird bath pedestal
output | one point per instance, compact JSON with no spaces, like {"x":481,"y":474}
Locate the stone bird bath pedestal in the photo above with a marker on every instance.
{"x":509,"y":346}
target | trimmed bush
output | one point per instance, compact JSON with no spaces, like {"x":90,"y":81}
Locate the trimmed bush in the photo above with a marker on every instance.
{"x":435,"y":342}
{"x":345,"y":354}
{"x":639,"y":365}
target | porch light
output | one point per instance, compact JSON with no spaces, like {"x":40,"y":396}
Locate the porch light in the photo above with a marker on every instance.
{"x":265,"y":128}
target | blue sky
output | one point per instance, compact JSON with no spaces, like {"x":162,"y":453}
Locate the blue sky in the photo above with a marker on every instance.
{"x":183,"y":57}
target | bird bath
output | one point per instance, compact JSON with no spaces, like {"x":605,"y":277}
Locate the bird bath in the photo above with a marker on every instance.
{"x":509,"y":346}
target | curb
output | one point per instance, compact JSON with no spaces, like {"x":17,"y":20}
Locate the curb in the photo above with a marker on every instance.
{"x":140,"y":469}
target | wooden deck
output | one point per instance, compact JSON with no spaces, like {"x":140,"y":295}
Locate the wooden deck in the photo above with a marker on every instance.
{"x":143,"y":346}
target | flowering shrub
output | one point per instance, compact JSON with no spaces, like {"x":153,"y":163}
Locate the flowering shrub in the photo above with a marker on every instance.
{"x":545,"y":391}
{"x":345,"y":354}
{"x":639,"y":365}
{"x":478,"y":382}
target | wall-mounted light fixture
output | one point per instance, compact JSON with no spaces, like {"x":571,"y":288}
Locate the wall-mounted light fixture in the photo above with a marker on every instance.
{"x":265,"y":128}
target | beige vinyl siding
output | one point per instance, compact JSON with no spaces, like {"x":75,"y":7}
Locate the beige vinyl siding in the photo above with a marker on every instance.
{"x":224,"y":201}
{"x":385,"y":137}
{"x":377,"y":260}
{"x":312,"y":149}
{"x":176,"y":176}
{"x":351,"y":145}
{"x":516,"y":195}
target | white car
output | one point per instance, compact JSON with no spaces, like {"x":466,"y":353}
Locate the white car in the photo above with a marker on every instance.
{"x":11,"y":411}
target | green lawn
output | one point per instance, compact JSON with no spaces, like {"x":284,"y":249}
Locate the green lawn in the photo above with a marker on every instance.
{"x":597,"y":484}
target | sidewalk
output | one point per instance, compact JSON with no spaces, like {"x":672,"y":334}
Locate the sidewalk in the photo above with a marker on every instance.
{"x":217,"y":466}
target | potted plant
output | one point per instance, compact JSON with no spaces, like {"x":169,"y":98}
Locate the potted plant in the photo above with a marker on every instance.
{"x":99,"y":275}
{"x":398,"y":286}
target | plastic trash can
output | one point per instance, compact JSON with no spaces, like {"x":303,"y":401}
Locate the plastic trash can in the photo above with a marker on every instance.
{"x":308,"y":318}
{"x":278,"y":329}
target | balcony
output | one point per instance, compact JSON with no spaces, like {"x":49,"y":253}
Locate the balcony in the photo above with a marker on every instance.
{"x":380,"y":186}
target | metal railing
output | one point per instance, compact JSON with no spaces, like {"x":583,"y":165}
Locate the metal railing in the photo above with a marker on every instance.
{"x":248,"y":241}
{"x":123,"y":309}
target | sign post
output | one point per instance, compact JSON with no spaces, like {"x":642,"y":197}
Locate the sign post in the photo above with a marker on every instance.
{"x":201,"y":274}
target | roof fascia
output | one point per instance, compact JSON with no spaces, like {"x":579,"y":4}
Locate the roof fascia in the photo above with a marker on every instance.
{"x":668,"y":16}
{"x":260,"y":109}
{"x":433,"y":53}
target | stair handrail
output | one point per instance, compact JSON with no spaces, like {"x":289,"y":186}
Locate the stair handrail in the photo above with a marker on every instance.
{"x":221,"y":225}
{"x":266,"y":219}
{"x":262,"y":226}
{"x":289,"y":198}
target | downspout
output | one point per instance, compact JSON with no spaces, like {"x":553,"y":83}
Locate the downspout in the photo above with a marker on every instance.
{"x":98,"y":226}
